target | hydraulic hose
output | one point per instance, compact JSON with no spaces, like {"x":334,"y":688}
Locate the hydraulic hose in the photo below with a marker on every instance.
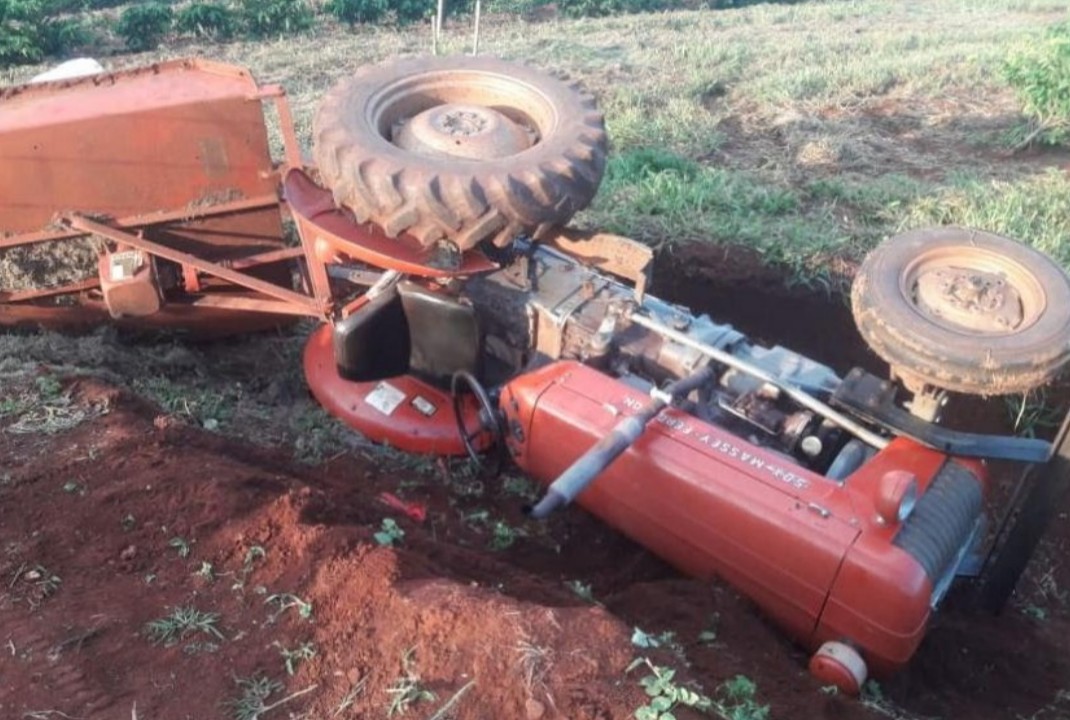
{"x":590,"y":465}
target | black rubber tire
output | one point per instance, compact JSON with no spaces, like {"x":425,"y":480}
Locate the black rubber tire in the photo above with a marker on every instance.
{"x":464,"y":201}
{"x":959,"y":360}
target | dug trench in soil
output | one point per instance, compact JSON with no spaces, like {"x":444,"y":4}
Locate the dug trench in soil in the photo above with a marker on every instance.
{"x":108,"y":508}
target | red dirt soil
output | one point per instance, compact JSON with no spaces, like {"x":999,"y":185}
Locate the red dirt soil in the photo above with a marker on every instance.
{"x":99,"y":507}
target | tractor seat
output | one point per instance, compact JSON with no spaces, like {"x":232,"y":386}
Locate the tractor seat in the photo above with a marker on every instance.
{"x":409,"y":329}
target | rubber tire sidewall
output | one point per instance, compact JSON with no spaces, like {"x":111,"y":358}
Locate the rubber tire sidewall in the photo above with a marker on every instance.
{"x":533,"y":190}
{"x":981,"y":365}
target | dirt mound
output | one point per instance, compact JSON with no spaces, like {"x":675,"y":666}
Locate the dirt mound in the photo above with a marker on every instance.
{"x":150,"y":563}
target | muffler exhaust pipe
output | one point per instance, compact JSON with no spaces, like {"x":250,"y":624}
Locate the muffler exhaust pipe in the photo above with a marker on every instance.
{"x":590,"y":465}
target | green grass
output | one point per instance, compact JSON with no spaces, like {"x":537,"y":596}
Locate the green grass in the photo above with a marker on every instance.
{"x":1034,"y":209}
{"x":254,"y":693}
{"x":663,"y":199}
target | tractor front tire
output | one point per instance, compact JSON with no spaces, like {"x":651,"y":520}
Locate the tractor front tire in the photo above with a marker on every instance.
{"x":501,"y":149}
{"x":964,"y":310}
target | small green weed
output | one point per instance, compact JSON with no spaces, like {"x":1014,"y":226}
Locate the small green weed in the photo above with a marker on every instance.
{"x":735,"y":698}
{"x":206,"y":571}
{"x":181,"y":546}
{"x":292,"y":657}
{"x":285,"y":601}
{"x":1033,"y":413}
{"x":665,"y":694}
{"x":208,"y":407}
{"x":521,"y":487}
{"x":144,"y":25}
{"x":504,"y":536}
{"x":407,"y":690}
{"x":255,"y":691}
{"x":464,"y":480}
{"x":1036,"y":612}
{"x":389,"y":534}
{"x":582,"y":590}
{"x":254,"y":553}
{"x":183,"y":621}
{"x":646,"y":640}
{"x":49,"y":387}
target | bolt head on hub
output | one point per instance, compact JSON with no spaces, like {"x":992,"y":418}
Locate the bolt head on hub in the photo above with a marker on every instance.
{"x":973,"y":299}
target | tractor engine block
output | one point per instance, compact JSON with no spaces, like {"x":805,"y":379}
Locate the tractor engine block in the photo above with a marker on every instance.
{"x":547,"y":306}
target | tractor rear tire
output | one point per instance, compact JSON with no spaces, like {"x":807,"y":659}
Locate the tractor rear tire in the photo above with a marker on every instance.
{"x":434,"y":195}
{"x":964,"y":310}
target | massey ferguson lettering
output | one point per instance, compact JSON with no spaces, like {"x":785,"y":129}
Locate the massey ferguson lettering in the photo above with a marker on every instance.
{"x":724,"y":447}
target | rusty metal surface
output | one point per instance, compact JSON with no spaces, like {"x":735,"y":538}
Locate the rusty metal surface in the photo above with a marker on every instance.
{"x":174,"y":155}
{"x":333,"y":233}
{"x":177,"y":134}
{"x":188,"y":318}
{"x":614,"y":254}
{"x":129,"y":284}
{"x":309,"y":305}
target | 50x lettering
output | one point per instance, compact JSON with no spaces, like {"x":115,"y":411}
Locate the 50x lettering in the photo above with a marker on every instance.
{"x":724,"y":447}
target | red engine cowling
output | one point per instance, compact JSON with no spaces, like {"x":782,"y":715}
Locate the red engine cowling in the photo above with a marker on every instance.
{"x":813,"y":553}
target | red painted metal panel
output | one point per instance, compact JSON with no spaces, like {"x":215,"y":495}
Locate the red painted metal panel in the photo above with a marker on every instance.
{"x":404,"y":426}
{"x":173,"y":135}
{"x":808,"y":550}
{"x":706,"y":501}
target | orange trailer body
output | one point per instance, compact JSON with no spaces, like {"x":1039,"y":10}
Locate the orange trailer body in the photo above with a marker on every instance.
{"x":165,"y":137}
{"x":177,"y":152}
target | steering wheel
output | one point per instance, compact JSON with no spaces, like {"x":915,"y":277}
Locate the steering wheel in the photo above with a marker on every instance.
{"x":489,"y":421}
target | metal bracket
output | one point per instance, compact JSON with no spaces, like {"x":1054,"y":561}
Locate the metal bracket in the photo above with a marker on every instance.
{"x":874,"y":399}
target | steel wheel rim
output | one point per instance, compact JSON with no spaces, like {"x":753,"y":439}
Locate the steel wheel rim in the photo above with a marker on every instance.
{"x":1021,"y":286}
{"x":498,"y":97}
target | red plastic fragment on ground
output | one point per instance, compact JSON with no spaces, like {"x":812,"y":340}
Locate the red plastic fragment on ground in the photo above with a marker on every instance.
{"x":416,"y":511}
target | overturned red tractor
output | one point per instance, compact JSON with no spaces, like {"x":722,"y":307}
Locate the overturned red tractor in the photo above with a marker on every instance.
{"x":461,"y":316}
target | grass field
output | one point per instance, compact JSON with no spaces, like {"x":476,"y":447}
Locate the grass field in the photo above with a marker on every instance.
{"x":807,"y":132}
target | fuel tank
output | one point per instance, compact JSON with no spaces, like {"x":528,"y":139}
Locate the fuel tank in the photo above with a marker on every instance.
{"x":813,"y":553}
